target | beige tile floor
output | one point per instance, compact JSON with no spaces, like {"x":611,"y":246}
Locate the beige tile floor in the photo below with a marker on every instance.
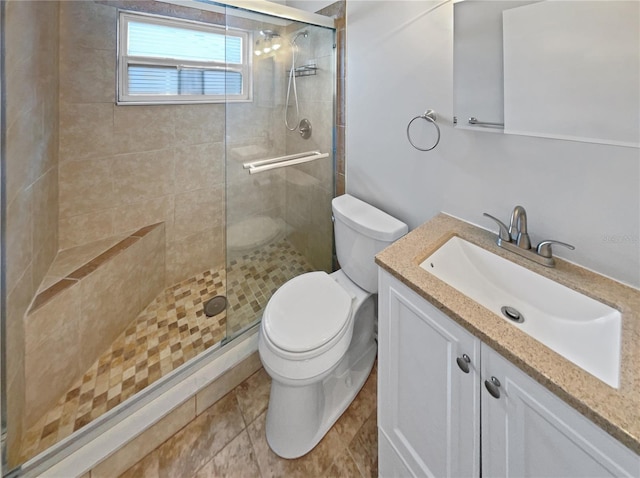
{"x":169,"y":332}
{"x":228,"y":440}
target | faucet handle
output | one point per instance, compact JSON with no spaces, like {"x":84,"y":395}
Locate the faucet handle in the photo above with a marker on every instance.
{"x":503,"y":235}
{"x":544,"y":248}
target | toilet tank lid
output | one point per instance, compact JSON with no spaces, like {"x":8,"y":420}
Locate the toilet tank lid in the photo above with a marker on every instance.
{"x":368,"y":220}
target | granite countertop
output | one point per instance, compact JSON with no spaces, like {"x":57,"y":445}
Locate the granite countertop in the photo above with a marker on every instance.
{"x":617,"y":411}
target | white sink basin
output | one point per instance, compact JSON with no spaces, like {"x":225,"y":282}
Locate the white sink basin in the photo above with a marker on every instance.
{"x":581,"y":329}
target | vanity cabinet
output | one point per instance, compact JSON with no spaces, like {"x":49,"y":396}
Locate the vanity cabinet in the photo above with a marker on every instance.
{"x":428,"y":408}
{"x":450,"y":406}
{"x":542,"y":434}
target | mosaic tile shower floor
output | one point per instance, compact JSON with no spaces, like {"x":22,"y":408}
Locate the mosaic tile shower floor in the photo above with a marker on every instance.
{"x":170,"y":331}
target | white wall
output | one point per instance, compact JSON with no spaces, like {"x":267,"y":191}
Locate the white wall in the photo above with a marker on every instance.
{"x":399,"y":64}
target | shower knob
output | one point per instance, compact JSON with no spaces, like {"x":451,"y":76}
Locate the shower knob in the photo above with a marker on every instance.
{"x":305,"y":129}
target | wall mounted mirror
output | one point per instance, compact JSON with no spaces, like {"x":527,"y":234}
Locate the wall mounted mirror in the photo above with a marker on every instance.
{"x":557,"y":69}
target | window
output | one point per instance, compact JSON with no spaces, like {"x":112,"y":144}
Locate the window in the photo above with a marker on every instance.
{"x":163,"y":60}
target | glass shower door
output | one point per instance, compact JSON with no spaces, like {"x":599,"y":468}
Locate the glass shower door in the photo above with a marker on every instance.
{"x":279,"y":174}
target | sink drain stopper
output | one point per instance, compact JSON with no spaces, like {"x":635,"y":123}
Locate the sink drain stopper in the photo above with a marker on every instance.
{"x":215,"y":305}
{"x":512,"y":314}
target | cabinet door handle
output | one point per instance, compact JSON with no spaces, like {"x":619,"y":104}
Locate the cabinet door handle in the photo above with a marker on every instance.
{"x":493,"y":387}
{"x":463,"y":363}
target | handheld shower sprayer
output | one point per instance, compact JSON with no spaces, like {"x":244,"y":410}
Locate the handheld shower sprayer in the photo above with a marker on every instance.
{"x":292,"y":80}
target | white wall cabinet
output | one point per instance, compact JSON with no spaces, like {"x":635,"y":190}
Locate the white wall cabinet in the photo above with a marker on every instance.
{"x":584,"y":88}
{"x":429,"y":415}
{"x":478,"y":85}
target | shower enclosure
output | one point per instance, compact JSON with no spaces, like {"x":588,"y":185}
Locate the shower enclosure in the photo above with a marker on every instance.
{"x":279,"y":213}
{"x":150,"y":222}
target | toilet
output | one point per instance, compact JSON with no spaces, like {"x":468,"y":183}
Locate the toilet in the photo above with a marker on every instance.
{"x":317,"y":336}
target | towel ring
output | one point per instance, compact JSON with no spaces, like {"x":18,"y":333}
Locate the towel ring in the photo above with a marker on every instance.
{"x":429,"y":116}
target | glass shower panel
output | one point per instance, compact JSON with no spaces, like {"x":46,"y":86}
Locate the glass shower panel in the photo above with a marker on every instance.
{"x":149,"y":225}
{"x":279,"y":174}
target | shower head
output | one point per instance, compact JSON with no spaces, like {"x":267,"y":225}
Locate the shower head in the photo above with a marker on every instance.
{"x":269,"y":42}
{"x":303,"y":33}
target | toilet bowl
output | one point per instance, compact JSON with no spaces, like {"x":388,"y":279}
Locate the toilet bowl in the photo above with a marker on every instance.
{"x":310,"y":389}
{"x":317,"y":336}
{"x":297,"y":350}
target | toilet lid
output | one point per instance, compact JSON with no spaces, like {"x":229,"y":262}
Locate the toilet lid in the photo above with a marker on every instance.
{"x":306,"y":312}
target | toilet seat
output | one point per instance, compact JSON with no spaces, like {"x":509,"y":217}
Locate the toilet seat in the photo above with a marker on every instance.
{"x":306,"y":316}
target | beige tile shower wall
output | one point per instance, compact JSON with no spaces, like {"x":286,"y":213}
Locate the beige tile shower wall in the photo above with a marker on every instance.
{"x":257,"y":130}
{"x":308,"y":211}
{"x":124,"y":167}
{"x":339,"y":11}
{"x":310,"y":186}
{"x":67,"y":334}
{"x":31,"y":60}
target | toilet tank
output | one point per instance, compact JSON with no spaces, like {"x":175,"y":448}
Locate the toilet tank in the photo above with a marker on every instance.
{"x":361,"y":231}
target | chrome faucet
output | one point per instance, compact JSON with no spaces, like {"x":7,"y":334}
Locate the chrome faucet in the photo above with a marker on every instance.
{"x":516,"y":239}
{"x":518,"y":227}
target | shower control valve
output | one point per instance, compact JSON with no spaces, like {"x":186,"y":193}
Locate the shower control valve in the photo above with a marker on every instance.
{"x":305,"y":128}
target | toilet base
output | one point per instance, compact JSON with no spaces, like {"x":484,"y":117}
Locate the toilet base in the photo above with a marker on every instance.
{"x":299,"y":417}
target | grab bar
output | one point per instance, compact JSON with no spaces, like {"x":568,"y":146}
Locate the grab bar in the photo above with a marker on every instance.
{"x":282,"y":161}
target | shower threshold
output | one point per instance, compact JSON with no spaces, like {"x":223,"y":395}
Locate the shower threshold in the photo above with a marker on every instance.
{"x":85,"y":449}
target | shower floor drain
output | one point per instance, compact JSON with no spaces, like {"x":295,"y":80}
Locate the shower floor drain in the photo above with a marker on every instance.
{"x":215,"y":305}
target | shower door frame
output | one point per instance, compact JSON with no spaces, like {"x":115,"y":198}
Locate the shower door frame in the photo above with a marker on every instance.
{"x":87,"y":435}
{"x":259,"y":6}
{"x":3,"y":242}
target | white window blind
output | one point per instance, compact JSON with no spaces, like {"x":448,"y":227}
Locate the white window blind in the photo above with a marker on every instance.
{"x":166,"y":60}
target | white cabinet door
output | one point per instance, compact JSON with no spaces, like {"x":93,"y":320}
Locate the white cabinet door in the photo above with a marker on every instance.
{"x":428,"y":406}
{"x":529,"y":432}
